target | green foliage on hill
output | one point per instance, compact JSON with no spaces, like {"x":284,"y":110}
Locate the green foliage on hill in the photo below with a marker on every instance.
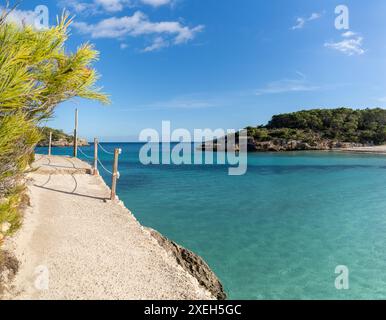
{"x":56,"y":135}
{"x":366,"y":126}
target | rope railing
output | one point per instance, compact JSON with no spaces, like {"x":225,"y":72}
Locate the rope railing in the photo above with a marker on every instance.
{"x":99,"y":161}
{"x":114,"y":173}
{"x":108,"y":152}
{"x":87,"y":156}
{"x":104,"y":168}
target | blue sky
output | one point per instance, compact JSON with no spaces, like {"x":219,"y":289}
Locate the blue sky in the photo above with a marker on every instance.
{"x":221,"y":64}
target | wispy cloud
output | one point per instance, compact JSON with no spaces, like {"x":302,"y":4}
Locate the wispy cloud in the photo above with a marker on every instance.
{"x":21,"y":17}
{"x":112,"y":5}
{"x":157,"y":3}
{"x":190,"y":101}
{"x":184,"y":103}
{"x":352,"y":44}
{"x":94,"y":7}
{"x":157,"y":44}
{"x":287,"y":86}
{"x":166,"y":33}
{"x":348,"y":34}
{"x":301,"y":21}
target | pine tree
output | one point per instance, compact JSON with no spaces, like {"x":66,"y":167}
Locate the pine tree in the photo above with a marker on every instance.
{"x":36,"y":74}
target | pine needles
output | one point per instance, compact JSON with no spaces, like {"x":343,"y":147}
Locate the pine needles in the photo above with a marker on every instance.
{"x":36,"y":74}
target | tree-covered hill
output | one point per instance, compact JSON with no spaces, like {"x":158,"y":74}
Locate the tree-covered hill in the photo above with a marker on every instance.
{"x":320,"y":129}
{"x":59,"y":138}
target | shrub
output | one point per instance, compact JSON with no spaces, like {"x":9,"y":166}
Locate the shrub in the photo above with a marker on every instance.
{"x":36,"y":74}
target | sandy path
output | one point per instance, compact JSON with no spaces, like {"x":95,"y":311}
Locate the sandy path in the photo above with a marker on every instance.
{"x":89,"y":248}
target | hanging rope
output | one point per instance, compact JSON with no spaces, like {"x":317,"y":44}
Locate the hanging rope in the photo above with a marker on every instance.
{"x":108,"y":152}
{"x":100,"y":162}
{"x":87,"y":156}
{"x":108,"y":171}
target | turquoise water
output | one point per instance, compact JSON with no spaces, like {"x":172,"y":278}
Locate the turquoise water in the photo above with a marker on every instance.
{"x":279,"y":231}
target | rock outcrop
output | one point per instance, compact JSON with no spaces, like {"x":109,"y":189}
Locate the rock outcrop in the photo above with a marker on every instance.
{"x":281,"y":145}
{"x":64,"y":143}
{"x":278,"y":145}
{"x":193,"y":264}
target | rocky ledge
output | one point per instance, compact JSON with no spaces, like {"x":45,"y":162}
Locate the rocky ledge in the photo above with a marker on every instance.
{"x":193,"y":264}
{"x":278,"y":145}
{"x":281,"y":145}
{"x":64,"y":143}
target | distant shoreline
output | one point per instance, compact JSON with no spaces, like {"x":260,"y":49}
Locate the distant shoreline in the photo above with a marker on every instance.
{"x":63,"y":144}
{"x":370,"y":150}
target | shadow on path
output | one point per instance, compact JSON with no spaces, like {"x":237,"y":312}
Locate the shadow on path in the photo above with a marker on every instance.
{"x":71,"y":193}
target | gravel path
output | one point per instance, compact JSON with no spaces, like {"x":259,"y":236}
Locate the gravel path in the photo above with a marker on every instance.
{"x":76,"y":245}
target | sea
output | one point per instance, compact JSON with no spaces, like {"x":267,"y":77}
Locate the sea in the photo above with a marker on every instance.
{"x":297,"y":225}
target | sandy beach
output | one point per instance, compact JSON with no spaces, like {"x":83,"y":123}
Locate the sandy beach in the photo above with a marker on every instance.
{"x":373,"y":149}
{"x":76,"y":245}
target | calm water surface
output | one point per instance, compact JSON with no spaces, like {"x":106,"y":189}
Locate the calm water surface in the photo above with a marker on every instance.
{"x":279,"y":231}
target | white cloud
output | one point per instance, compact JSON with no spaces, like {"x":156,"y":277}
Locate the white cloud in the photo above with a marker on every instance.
{"x":286,"y":86}
{"x":138,"y":24}
{"x":76,"y":6}
{"x":38,"y":19}
{"x":352,"y":44}
{"x":21,"y":17}
{"x":301,"y":22}
{"x":123,"y":46}
{"x":95,"y":6}
{"x":189,"y":101}
{"x":84,"y":8}
{"x":348,"y":34}
{"x":157,"y":44}
{"x":314,"y":16}
{"x":111,"y":5}
{"x":156,"y":3}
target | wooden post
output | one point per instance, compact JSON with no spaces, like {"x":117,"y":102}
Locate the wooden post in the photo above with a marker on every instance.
{"x":95,"y":156}
{"x":115,"y":174}
{"x":76,"y":134}
{"x":50,"y":144}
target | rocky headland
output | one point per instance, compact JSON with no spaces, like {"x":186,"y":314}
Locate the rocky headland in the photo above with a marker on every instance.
{"x":59,"y":138}
{"x":318,"y":129}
